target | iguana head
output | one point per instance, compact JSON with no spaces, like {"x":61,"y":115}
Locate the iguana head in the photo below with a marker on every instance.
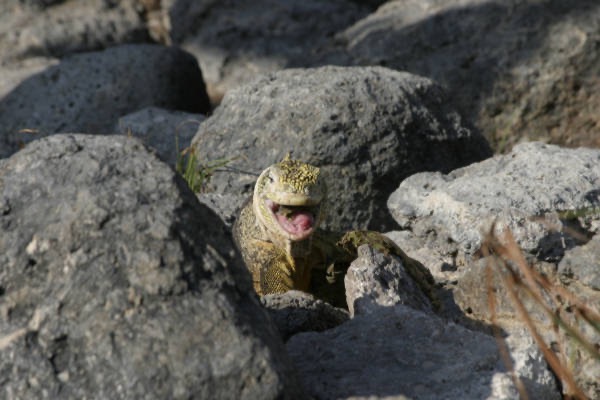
{"x":287,"y":199}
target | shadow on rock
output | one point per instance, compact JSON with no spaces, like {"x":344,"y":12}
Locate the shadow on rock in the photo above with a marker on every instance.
{"x":395,"y":345}
{"x":116,"y":283}
{"x":89,"y":92}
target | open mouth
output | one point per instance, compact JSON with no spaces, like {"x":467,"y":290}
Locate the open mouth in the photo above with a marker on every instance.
{"x":298,"y":221}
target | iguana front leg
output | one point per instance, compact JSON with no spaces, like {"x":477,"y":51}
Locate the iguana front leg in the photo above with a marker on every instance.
{"x":352,"y":240}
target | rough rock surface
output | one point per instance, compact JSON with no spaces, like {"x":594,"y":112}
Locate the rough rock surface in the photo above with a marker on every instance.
{"x":548,"y":196}
{"x":226,"y":206}
{"x":530,"y":365}
{"x":235,"y":40}
{"x":470,"y":294}
{"x":578,"y":272}
{"x":13,"y":74}
{"x":89,"y":92}
{"x":374,"y":280}
{"x":521,"y":69}
{"x":398,"y":351}
{"x":296,"y":311}
{"x":534,"y":180}
{"x":368,"y":128}
{"x":166,"y":131}
{"x":34,"y":34}
{"x":441,"y":265}
{"x":116,"y":283}
{"x":583,"y":264}
{"x":59,"y":28}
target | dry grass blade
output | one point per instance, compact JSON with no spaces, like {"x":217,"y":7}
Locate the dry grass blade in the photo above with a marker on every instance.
{"x":533,"y":286}
{"x":508,"y":257}
{"x":502,"y":346}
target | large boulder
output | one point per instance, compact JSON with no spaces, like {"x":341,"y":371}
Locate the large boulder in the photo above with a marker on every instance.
{"x":532,"y":191}
{"x":88,"y":92}
{"x":521,"y":69}
{"x":117,"y":284}
{"x":548,"y":198}
{"x":398,"y":352}
{"x":367,"y":128}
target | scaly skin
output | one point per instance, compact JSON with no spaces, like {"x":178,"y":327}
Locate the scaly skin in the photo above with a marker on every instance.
{"x":277,"y":233}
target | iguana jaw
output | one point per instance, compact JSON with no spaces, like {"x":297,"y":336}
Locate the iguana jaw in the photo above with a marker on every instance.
{"x":292,"y":216}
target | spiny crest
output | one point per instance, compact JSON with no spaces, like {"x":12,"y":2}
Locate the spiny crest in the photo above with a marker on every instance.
{"x":297,"y":174}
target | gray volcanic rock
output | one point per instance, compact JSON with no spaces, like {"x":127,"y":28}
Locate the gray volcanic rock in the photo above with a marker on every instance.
{"x":443,"y":266}
{"x":530,"y":365}
{"x":11,"y":75}
{"x":367,"y":128}
{"x":117,"y":284}
{"x":548,"y":197}
{"x":89,"y":92}
{"x":532,"y":190}
{"x":513,"y":65}
{"x":583,"y":263}
{"x":226,"y":206}
{"x":236,"y":40}
{"x":579,"y":272}
{"x":35,"y":33}
{"x":166,"y":131}
{"x":398,"y":351}
{"x":58,"y":28}
{"x":294,"y":312}
{"x":374,"y":280}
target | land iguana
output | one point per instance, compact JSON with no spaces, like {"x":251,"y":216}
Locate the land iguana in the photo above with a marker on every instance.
{"x":278,"y":235}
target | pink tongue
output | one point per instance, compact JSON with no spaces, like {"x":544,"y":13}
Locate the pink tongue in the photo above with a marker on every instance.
{"x":299,"y":222}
